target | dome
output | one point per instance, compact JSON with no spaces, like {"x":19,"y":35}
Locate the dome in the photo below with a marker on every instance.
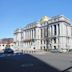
{"x":43,"y":19}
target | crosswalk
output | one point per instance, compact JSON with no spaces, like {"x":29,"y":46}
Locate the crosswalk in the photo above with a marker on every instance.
{"x":5,"y":55}
{"x":34,"y":52}
{"x":25,"y":52}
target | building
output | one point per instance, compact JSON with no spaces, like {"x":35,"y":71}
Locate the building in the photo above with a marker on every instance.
{"x":6,"y":42}
{"x":53,"y":33}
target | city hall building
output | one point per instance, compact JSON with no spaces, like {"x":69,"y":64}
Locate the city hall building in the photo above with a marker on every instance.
{"x":53,"y":33}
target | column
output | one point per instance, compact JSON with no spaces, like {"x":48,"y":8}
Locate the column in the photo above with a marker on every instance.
{"x":33,"y":33}
{"x":23,"y":35}
{"x":51,"y":35}
{"x":29,"y":34}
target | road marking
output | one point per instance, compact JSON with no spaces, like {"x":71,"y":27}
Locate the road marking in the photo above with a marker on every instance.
{"x":27,"y":65}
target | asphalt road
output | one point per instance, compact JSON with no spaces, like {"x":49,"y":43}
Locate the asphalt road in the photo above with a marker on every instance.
{"x":24,"y":63}
{"x":60,"y":61}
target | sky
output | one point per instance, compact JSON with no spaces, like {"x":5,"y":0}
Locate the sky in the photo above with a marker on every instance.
{"x":17,"y":13}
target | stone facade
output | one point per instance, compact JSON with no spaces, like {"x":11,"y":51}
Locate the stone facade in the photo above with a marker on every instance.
{"x":53,"y":33}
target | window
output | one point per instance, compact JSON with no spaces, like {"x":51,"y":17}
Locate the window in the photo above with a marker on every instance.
{"x":32,"y":34}
{"x":44,"y":41}
{"x":58,"y":29}
{"x":44,"y":47}
{"x":41,"y":48}
{"x":51,"y":30}
{"x":41,"y":33}
{"x":3,"y":45}
{"x":41,"y":41}
{"x":34,"y":48}
{"x":55,"y":47}
{"x":54,"y":29}
{"x":54,"y":40}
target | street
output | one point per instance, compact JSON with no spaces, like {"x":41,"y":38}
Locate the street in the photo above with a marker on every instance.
{"x":23,"y":63}
{"x":61,"y":61}
{"x":48,"y":62}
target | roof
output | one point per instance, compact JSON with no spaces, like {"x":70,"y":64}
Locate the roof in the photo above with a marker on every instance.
{"x":6,"y":41}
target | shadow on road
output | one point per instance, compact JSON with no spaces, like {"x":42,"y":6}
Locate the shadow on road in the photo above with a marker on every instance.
{"x":24,"y":63}
{"x":66,"y":70}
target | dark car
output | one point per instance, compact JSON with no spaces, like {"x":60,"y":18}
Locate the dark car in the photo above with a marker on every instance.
{"x":8,"y":51}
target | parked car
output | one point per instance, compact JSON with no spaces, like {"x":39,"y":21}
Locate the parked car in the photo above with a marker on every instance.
{"x":8,"y":51}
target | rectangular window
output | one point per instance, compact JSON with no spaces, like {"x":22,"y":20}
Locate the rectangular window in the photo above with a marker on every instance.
{"x":51,"y":30}
{"x":41,"y":33}
{"x":44,"y":47}
{"x":32,"y":34}
{"x":55,"y":30}
{"x":41,"y":41}
{"x":44,"y":41}
{"x":58,"y":29}
{"x":54,"y":40}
